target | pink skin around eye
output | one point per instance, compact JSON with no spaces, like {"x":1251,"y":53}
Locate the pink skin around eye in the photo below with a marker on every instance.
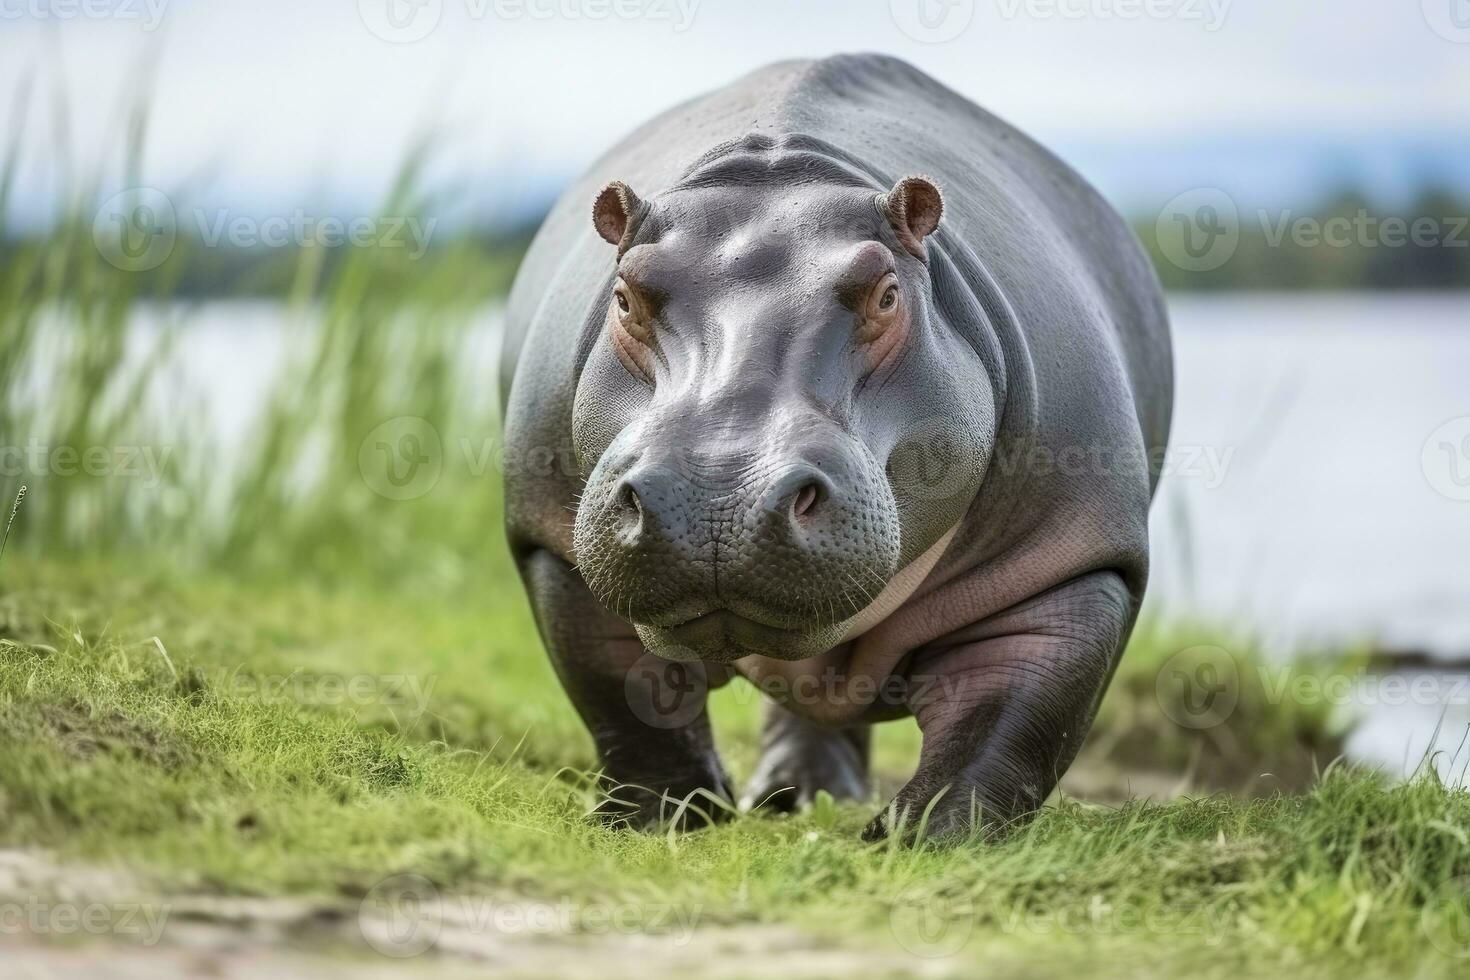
{"x":882,"y":350}
{"x":868,"y":266}
{"x":631,"y":349}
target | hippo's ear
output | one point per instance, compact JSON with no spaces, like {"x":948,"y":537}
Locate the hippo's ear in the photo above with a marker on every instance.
{"x":616,"y":212}
{"x":914,"y":207}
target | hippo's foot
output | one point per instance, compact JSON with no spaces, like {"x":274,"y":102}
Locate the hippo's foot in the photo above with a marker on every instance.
{"x":951,"y":816}
{"x":687,"y":801}
{"x":789,"y":776}
{"x":799,"y":759}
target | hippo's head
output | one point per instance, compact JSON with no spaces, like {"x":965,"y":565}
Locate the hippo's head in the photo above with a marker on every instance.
{"x":776,"y":417}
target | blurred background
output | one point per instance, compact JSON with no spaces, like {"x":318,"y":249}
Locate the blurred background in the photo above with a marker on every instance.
{"x":253,"y":256}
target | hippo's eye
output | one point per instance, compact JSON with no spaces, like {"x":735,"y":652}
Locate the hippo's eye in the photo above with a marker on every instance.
{"x":632,"y":310}
{"x":884,"y":299}
{"x":883,"y":323}
{"x":630,"y":333}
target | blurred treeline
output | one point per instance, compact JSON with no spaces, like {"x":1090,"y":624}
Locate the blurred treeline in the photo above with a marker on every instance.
{"x":195,"y":270}
{"x":1348,"y":242}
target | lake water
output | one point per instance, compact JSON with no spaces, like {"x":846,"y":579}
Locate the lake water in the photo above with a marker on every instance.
{"x":1342,"y":511}
{"x":1319,"y":490}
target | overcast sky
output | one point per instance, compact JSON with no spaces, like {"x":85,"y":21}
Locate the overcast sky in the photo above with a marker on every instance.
{"x":287,"y":101}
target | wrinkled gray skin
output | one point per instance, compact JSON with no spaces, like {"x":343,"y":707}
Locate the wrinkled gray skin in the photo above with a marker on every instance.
{"x":870,"y":501}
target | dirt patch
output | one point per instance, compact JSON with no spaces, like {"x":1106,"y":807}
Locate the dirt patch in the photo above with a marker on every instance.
{"x":62,"y":920}
{"x":81,"y":732}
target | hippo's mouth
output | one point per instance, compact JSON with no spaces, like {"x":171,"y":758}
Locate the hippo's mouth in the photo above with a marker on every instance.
{"x":722,"y":635}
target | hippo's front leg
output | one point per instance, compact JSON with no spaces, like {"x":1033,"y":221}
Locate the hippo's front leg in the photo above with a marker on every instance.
{"x":1005,"y":707}
{"x":647,"y":716}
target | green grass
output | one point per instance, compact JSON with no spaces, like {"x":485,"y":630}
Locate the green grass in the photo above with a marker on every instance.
{"x":227,"y":756}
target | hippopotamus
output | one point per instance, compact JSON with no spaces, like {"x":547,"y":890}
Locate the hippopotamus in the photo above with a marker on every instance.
{"x":832,"y":382}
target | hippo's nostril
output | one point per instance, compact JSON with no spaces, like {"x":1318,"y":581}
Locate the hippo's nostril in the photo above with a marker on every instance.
{"x":806,"y":500}
{"x":629,"y":505}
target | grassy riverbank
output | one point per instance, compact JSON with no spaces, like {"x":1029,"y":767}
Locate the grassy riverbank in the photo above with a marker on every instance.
{"x":286,"y":693}
{"x":269,"y":742}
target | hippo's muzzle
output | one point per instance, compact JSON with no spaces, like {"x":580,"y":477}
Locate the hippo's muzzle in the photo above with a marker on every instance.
{"x":714,"y":554}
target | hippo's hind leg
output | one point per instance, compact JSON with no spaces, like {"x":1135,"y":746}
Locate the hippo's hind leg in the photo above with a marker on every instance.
{"x":647,"y":716}
{"x":799,"y":758}
{"x":1004,"y":710}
